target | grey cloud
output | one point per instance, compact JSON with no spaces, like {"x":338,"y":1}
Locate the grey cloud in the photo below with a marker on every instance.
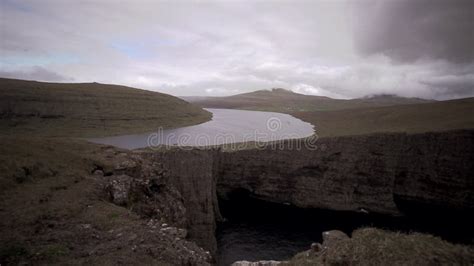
{"x":35,"y":73}
{"x":452,"y":86}
{"x":223,"y":48}
{"x":409,"y":30}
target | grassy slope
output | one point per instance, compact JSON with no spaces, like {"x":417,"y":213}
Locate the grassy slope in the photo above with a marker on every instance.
{"x":280,"y":100}
{"x":377,"y":247}
{"x":45,"y":191}
{"x":89,"y":109}
{"x":416,"y":118}
{"x":54,"y":210}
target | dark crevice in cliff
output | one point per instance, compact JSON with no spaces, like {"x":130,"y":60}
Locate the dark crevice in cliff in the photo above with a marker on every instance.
{"x":452,"y":224}
{"x":259,"y":230}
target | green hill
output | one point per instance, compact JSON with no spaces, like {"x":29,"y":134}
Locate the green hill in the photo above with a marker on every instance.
{"x":414,"y":118}
{"x":281,"y":100}
{"x":89,"y":109}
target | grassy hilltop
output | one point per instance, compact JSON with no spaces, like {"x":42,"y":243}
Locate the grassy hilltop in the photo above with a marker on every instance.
{"x":413,"y":118}
{"x":281,"y":100}
{"x":89,"y":109}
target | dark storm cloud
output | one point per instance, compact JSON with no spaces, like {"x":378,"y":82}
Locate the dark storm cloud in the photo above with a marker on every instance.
{"x":408,"y":30}
{"x":451,"y":86}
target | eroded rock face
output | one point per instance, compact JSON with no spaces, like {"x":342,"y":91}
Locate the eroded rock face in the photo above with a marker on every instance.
{"x":361,"y":173}
{"x":176,"y":187}
{"x":119,"y":189}
{"x":150,"y":197}
{"x":193,"y":174}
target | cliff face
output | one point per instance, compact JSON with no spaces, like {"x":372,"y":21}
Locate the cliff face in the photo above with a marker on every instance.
{"x":376,"y":173}
{"x":176,"y":188}
{"x":192,"y":174}
{"x":381,"y":173}
{"x":437,"y":170}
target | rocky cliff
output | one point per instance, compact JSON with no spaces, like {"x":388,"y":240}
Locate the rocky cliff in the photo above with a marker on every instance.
{"x":192,"y":173}
{"x":54,"y":205}
{"x":376,"y":173}
{"x":177,"y":187}
{"x":381,"y":173}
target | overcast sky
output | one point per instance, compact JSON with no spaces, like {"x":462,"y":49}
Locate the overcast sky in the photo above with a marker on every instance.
{"x":342,"y":49}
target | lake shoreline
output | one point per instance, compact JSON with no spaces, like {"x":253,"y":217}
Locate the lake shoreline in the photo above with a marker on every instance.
{"x":226,"y":126}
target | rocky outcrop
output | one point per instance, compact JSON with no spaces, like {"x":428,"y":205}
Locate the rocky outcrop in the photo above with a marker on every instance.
{"x":330,"y":238}
{"x":192,"y":173}
{"x":374,"y":173}
{"x":176,"y":187}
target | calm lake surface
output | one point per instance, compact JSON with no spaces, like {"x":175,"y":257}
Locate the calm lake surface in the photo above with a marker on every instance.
{"x":226,"y":126}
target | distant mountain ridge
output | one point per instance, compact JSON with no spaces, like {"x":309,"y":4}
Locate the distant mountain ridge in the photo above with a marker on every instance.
{"x":283,"y":100}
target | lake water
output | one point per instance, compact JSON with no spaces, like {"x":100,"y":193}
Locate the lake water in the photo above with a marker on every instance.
{"x":226,"y":126}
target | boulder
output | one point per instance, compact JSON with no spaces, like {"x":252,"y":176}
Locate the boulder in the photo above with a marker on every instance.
{"x":332,"y":237}
{"x":118,"y":189}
